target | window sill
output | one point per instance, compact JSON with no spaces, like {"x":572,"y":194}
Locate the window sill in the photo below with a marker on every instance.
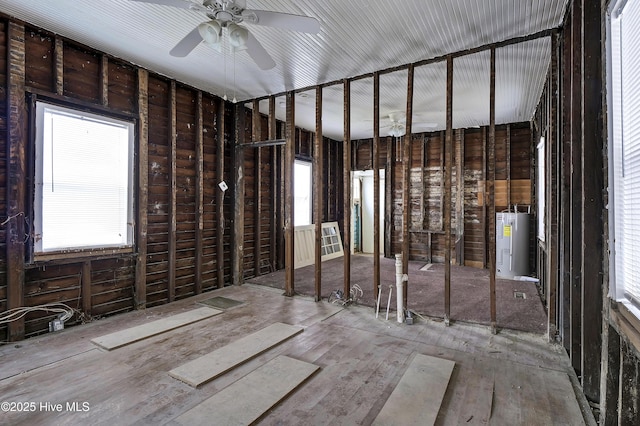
{"x":626,"y":321}
{"x":79,"y":255}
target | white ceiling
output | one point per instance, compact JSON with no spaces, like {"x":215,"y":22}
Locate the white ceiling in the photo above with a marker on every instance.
{"x":357,"y":37}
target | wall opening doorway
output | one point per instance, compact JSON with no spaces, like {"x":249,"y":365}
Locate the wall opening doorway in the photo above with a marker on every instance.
{"x":362,"y":202}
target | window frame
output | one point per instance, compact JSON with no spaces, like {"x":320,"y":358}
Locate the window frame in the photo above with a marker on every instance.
{"x":106,"y":114}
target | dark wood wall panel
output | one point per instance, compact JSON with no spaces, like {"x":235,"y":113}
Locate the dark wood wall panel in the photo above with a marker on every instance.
{"x":250,"y":170}
{"x":474,"y":241}
{"x":186,"y":191}
{"x":229,"y":137}
{"x":81,"y":73}
{"x":159,"y":182}
{"x":210,"y":188}
{"x":39,"y":48}
{"x":3,"y":170}
{"x":122,"y":86}
{"x":112,"y":284}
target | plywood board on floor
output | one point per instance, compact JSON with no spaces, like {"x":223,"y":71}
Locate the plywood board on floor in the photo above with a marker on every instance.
{"x":218,"y":362}
{"x":134,"y":334}
{"x":248,"y":399}
{"x":417,"y":397}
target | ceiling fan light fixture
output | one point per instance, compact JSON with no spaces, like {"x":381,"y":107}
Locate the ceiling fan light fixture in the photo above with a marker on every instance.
{"x":396,"y":130}
{"x":237,"y":36}
{"x":210,"y":32}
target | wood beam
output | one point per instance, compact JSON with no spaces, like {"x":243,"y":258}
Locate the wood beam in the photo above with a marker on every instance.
{"x":460,"y":196}
{"x":375,"y":153}
{"x":347,"y":182}
{"x":199,"y":194}
{"x":86,"y":287}
{"x":272,"y":123}
{"x":104,"y":80}
{"x":16,"y":167}
{"x":552,"y":198}
{"x":318,"y":196}
{"x":388,"y":205}
{"x":406,"y":240}
{"x":448,"y":164}
{"x":508,"y":157}
{"x":491,"y":193}
{"x":484,"y":197}
{"x":593,"y":275}
{"x":264,"y":144}
{"x":238,"y":196}
{"x":173,"y":194}
{"x":143,"y":189}
{"x":58,"y":65}
{"x":289,"y":156}
{"x":220,"y":142}
{"x":256,"y":134}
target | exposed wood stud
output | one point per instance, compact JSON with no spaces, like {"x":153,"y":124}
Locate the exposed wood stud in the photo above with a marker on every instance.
{"x":104,"y":80}
{"x":448,"y":164}
{"x":347,"y":182}
{"x":16,"y":166}
{"x":86,"y":287}
{"x":484,"y":197}
{"x":460,"y":197}
{"x":424,"y":194}
{"x":281,"y":189}
{"x":143,"y":189}
{"x":592,"y":274}
{"x":58,"y":67}
{"x":289,"y":156}
{"x":272,"y":123}
{"x":551,"y":195}
{"x":199,"y":194}
{"x":318,"y":194}
{"x":173,"y":194}
{"x":491,"y":192}
{"x":256,"y":131}
{"x":375,"y":153}
{"x":388,"y":206}
{"x":264,"y":144}
{"x":508,"y":157}
{"x":220,"y":128}
{"x":237,"y":260}
{"x":443,"y":148}
{"x":406,"y":222}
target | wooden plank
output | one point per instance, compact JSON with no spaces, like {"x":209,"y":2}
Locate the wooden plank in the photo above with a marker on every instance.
{"x":58,"y":65}
{"x":389,"y":194}
{"x":272,"y":123}
{"x":460,"y":197}
{"x":508,"y":156}
{"x":551,"y":193}
{"x":408,"y":140}
{"x":127,"y":336}
{"x":611,"y":372}
{"x":143,"y":189}
{"x":417,"y":398}
{"x":484,"y":198}
{"x":406,"y":200}
{"x":16,"y":178}
{"x":264,"y":144}
{"x":347,"y":182}
{"x":593,"y":275}
{"x":256,"y":131}
{"x":86,"y":287}
{"x":237,"y":259}
{"x":220,"y":142}
{"x":289,"y":155}
{"x":375,"y":161}
{"x":104,"y":80}
{"x":173,"y":193}
{"x":318,"y":195}
{"x":199,"y":195}
{"x":448,"y":164}
{"x":490,"y":192}
{"x":208,"y":367}
{"x":248,"y":399}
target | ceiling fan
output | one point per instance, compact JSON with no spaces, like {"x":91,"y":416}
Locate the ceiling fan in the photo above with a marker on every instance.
{"x":397,"y":122}
{"x":229,"y":15}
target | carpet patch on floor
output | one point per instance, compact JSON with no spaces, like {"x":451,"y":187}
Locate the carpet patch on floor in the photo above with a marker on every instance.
{"x":221,"y":302}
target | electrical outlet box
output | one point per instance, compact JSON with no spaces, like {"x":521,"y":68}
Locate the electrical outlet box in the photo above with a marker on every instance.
{"x":56,"y":325}
{"x":223,"y":186}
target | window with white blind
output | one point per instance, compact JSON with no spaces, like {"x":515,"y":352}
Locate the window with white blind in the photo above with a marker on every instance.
{"x":541,"y":194}
{"x":83,"y":195}
{"x":624,"y":151}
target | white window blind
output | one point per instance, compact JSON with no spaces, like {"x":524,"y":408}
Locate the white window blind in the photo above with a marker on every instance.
{"x":540,"y":187}
{"x":624,"y":161}
{"x":302,"y":179}
{"x":83,"y":183}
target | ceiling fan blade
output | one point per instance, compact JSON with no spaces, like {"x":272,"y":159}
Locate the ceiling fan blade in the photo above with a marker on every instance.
{"x":182,"y":4}
{"x":285,"y":21}
{"x":259,"y":55}
{"x":187,"y":44}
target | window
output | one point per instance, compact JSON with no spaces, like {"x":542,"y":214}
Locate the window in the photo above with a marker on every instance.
{"x":623,"y":93}
{"x":83,"y":195}
{"x":540,"y":188}
{"x":302,"y":179}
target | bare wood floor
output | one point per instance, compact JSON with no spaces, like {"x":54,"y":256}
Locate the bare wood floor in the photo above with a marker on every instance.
{"x":510,"y":378}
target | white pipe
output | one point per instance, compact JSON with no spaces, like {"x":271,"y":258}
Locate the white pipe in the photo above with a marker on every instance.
{"x":389,"y":302}
{"x":378,"y":304}
{"x":400,"y":279}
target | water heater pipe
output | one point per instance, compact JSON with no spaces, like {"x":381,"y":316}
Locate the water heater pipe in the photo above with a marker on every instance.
{"x":400,"y":280}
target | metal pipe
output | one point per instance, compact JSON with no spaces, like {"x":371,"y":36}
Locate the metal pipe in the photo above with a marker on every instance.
{"x":400,"y":279}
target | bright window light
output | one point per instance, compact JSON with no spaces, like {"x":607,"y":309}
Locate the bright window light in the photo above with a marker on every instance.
{"x":83,"y":183}
{"x":302,"y":193}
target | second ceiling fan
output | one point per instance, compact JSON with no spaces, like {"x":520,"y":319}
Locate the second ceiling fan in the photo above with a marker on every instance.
{"x":228,"y":15}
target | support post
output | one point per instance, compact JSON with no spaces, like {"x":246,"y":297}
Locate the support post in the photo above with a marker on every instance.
{"x":143,"y":189}
{"x":256,"y":135}
{"x":491,"y":192}
{"x":221,"y":129}
{"x":199,"y":194}
{"x":289,"y":155}
{"x":238,"y":196}
{"x":346,"y":154}
{"x":376,"y":181}
{"x":173,"y":194}
{"x":448,"y":164}
{"x":273,"y":247}
{"x":318,"y":198}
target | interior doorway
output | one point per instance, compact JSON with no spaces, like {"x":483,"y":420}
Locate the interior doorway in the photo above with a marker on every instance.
{"x":362,"y":221}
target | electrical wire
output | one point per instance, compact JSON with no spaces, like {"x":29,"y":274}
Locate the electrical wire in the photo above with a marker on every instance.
{"x":56,"y":307}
